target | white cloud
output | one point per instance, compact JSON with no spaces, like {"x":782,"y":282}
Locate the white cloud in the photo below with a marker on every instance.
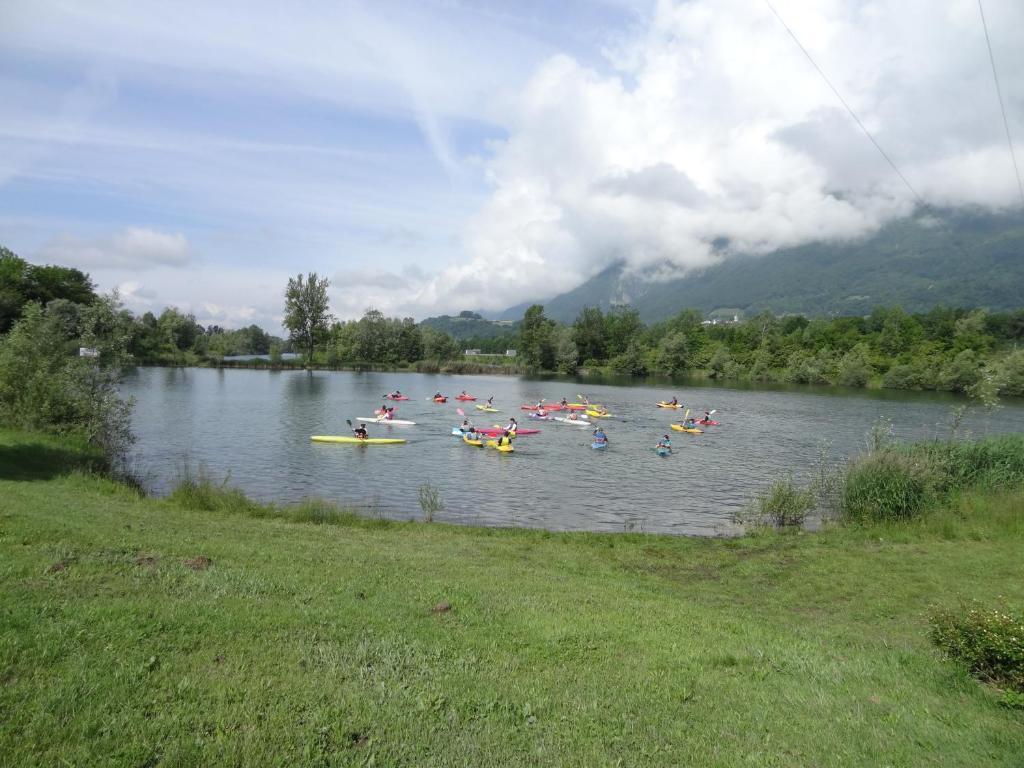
{"x":713,"y":127}
{"x":132,"y":249}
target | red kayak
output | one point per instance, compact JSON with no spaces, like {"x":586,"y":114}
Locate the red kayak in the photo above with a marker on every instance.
{"x":465,"y":398}
{"x":547,"y":407}
{"x":440,"y":399}
{"x":499,"y":432}
{"x":708,"y":423}
{"x":392,"y":397}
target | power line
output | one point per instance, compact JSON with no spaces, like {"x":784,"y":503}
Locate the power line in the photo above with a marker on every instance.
{"x":1002,"y":108}
{"x":849,"y":108}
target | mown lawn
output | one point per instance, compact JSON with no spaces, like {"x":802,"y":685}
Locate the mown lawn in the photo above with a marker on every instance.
{"x":137,"y":633}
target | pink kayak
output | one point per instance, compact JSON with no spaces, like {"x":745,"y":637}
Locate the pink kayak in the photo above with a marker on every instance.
{"x":392,"y":397}
{"x":547,"y":407}
{"x":465,"y":399}
{"x":499,"y":432}
{"x":708,"y":423}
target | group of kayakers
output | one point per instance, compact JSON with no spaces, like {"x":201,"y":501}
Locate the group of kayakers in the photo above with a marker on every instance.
{"x":509,"y":431}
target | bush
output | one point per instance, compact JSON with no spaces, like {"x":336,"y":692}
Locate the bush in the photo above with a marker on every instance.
{"x":888,"y":484}
{"x":784,"y":504}
{"x":903,"y":376}
{"x":988,"y":641}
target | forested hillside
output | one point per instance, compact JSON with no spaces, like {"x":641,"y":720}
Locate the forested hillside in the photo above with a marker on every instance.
{"x":960,"y":260}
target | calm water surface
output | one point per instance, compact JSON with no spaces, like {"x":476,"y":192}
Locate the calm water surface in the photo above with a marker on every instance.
{"x":254,"y":426}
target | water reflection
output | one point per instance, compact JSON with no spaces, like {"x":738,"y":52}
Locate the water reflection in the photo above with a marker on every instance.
{"x":255,"y":426}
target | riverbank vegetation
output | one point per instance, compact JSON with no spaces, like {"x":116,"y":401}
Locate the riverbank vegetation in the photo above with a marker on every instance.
{"x":957,"y":350}
{"x":194,"y":630}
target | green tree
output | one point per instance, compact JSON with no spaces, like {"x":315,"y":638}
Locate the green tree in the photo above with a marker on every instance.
{"x":567,"y":355}
{"x":622,"y":329}
{"x":590,"y":334}
{"x":674,"y":353}
{"x":535,"y":339}
{"x":307,"y":311}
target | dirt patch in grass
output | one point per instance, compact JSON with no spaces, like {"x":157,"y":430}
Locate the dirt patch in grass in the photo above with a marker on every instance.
{"x":199,"y":563}
{"x":441,"y":608}
{"x":149,"y":561}
{"x":60,"y":565}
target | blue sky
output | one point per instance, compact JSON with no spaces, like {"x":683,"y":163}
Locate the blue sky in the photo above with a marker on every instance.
{"x":439,"y":155}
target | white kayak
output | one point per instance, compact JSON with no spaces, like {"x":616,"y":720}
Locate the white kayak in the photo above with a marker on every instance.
{"x":577,"y":422}
{"x":378,"y":420}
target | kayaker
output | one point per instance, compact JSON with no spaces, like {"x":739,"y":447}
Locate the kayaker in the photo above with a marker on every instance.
{"x":438,"y":396}
{"x":674,"y":401}
{"x":564,"y":403}
{"x":463,"y":394}
{"x":573,"y":416}
{"x":389,"y":414}
{"x":470,"y":432}
{"x":540,"y":409}
{"x":467,"y":427}
{"x":490,"y":401}
{"x":505,"y":439}
{"x":360,"y":433}
{"x":512,"y":426}
{"x":600,"y":436}
{"x":690,"y":423}
{"x":707,"y":417}
{"x":665,"y":442}
{"x":395,"y":395}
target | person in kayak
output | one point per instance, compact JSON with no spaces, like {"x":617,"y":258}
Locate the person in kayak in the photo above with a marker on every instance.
{"x":673,"y":401}
{"x":395,"y":395}
{"x":665,"y":442}
{"x":467,"y":427}
{"x":438,"y":396}
{"x":389,"y":414}
{"x":600,"y":436}
{"x":506,"y":438}
{"x":470,"y":432}
{"x":360,"y":432}
{"x":490,"y":401}
{"x":463,"y":394}
{"x":564,"y":403}
{"x":574,"y":416}
{"x":706,"y":417}
{"x":690,"y":423}
{"x":512,"y":426}
{"x":540,"y":409}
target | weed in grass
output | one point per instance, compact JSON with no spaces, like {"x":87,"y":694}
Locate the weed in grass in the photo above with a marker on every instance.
{"x":430,"y":501}
{"x":988,"y":641}
{"x":785,"y":504}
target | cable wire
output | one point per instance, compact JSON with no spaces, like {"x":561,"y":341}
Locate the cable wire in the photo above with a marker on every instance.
{"x":1002,"y":107}
{"x":848,"y":107}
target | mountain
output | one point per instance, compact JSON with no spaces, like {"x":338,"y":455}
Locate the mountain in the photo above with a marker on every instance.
{"x":470,"y":325}
{"x":964,"y":259}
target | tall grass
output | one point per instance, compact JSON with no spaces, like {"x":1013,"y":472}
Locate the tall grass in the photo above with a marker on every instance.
{"x":199,"y":491}
{"x":902,"y":482}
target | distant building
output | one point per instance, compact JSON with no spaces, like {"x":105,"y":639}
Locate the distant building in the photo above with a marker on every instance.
{"x":510,"y":353}
{"x":88,"y":352}
{"x":472,"y":352}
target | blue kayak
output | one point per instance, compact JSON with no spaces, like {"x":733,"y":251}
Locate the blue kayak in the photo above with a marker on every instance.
{"x":663,"y":451}
{"x":599,"y":446}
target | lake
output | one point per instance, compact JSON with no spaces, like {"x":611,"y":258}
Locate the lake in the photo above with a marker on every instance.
{"x":252,"y":427}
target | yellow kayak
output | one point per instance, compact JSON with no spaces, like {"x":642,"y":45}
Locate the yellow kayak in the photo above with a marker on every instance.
{"x":598,"y":415}
{"x":691,"y":430}
{"x":669,"y":405}
{"x":349,"y":439}
{"x":487,"y":408}
{"x":502,"y":448}
{"x":467,"y":441}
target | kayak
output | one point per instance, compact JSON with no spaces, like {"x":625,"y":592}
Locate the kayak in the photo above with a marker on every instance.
{"x":392,"y":397}
{"x":681,"y":428}
{"x":379,"y":420}
{"x":464,"y":398}
{"x":662,"y":451}
{"x":457,"y":431}
{"x":708,"y":422}
{"x":348,"y":439}
{"x":576,"y":406}
{"x":577,"y":422}
{"x":487,"y":408}
{"x":467,"y":441}
{"x":503,"y":448}
{"x":440,"y":399}
{"x":498,"y":431}
{"x":599,"y":446}
{"x":663,"y":404}
{"x":539,"y":417}
{"x":599,"y":415}
{"x":547,"y":407}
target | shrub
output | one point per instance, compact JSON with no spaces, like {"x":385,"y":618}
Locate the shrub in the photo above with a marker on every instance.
{"x":888,"y":484}
{"x":988,"y":641}
{"x":430,"y":501}
{"x":784,"y":504}
{"x":903,"y":376}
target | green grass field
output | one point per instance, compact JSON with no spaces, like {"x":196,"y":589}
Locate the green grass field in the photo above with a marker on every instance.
{"x":135,"y":632}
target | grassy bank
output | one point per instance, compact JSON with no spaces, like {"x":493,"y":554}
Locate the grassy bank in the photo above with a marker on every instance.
{"x":142,"y":632}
